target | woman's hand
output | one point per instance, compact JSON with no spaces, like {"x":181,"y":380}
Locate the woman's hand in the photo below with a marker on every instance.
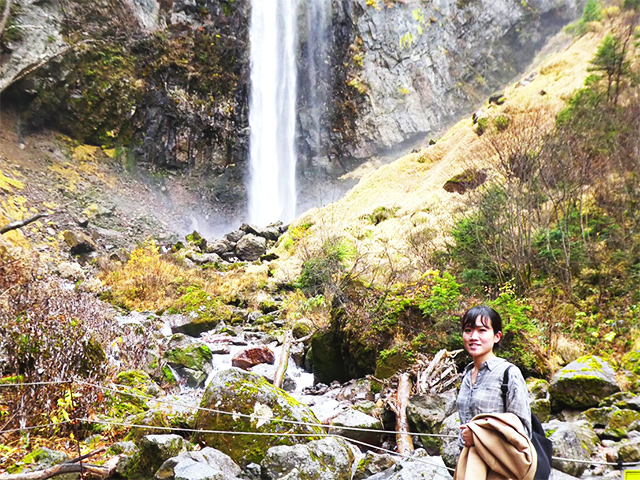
{"x":467,"y":436}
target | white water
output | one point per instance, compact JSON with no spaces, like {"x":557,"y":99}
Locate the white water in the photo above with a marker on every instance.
{"x":272,"y":111}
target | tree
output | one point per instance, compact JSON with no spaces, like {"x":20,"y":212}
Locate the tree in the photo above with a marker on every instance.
{"x":610,"y":61}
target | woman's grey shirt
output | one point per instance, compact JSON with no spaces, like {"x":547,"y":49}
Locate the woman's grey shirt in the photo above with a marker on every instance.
{"x":485,"y":396}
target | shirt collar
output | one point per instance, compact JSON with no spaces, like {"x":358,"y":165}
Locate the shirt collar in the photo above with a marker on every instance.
{"x":490,"y":364}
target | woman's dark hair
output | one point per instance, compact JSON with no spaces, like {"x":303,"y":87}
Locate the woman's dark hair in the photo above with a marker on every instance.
{"x":488,"y":316}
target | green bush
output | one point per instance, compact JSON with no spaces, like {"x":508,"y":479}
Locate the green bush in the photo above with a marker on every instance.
{"x":501,"y":123}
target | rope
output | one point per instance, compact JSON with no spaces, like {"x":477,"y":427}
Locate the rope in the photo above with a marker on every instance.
{"x":34,"y":427}
{"x":254,"y":417}
{"x":30,"y":384}
{"x":373,"y":447}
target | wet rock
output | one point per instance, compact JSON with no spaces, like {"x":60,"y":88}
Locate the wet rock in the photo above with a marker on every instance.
{"x":244,"y":393}
{"x":325,"y":459}
{"x":253,"y":356}
{"x":583,"y":383}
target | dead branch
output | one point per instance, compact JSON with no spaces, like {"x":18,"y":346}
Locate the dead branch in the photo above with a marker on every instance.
{"x":439,"y":374}
{"x":5,"y":16}
{"x":278,"y":378}
{"x":403,"y":437}
{"x":70,"y":466}
{"x":304,"y":339}
{"x":22,"y":223}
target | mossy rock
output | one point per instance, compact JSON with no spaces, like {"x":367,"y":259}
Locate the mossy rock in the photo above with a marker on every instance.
{"x":391,"y":362}
{"x":153,"y":451}
{"x":188,"y":354}
{"x":583,"y":383}
{"x":205,"y":311}
{"x":94,"y":358}
{"x":541,"y":408}
{"x":599,"y":417}
{"x":470,"y":179}
{"x":538,"y":388}
{"x":39,"y":459}
{"x":301,"y":329}
{"x":147,"y":420}
{"x":139,"y":383}
{"x":197,"y":241}
{"x":620,"y":423}
{"x":240,"y":392}
{"x":380,"y":214}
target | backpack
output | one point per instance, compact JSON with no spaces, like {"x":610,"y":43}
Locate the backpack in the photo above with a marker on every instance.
{"x":543,"y":446}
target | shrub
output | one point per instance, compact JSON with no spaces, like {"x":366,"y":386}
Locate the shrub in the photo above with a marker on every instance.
{"x":501,"y":123}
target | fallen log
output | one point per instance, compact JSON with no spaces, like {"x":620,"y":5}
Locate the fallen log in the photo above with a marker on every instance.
{"x":403,"y":437}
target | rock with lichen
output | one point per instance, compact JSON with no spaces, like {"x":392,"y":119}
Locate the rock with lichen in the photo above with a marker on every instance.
{"x":254,"y":405}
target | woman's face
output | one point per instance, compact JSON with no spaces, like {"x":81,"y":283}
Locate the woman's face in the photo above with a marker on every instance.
{"x":479,"y":340}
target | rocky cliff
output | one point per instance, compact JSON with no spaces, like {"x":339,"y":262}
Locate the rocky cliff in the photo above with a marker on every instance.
{"x":166,"y":81}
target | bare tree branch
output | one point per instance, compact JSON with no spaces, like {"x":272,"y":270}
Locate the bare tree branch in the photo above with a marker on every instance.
{"x":22,"y":223}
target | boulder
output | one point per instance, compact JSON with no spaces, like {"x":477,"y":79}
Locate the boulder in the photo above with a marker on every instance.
{"x":40,"y":459}
{"x":583,"y":383}
{"x":253,"y":402}
{"x":153,"y":451}
{"x":197,"y":241}
{"x":207,"y":463}
{"x":620,"y":423}
{"x":251,"y":247}
{"x":253,"y":356}
{"x":354,"y":419}
{"x":234,"y":237}
{"x":270,"y":232}
{"x":571,"y":440}
{"x":188,"y":325}
{"x":326,"y":358}
{"x":220,"y":247}
{"x":204,"y":258}
{"x":79,"y":242}
{"x":329,"y":458}
{"x":427,"y":413}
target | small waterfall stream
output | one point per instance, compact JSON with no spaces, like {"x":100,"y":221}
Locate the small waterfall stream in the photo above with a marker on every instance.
{"x":272,"y":111}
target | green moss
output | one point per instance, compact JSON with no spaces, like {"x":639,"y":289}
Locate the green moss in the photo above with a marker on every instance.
{"x":193,"y":356}
{"x":197,"y":241}
{"x":206,"y":310}
{"x":501,"y":123}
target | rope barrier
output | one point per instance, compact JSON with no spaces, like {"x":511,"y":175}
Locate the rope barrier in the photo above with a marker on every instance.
{"x":30,"y":384}
{"x":253,"y":417}
{"x":257,"y":417}
{"x":34,"y":427}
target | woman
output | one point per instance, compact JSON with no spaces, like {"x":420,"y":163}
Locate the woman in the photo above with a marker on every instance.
{"x":481,"y":389}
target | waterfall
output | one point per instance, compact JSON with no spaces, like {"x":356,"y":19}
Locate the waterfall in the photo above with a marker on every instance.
{"x":272,"y":111}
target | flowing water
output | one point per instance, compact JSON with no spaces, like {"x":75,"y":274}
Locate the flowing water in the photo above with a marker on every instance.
{"x":272,"y":111}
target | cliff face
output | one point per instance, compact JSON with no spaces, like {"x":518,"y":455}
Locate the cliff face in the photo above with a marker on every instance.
{"x":415,"y":66}
{"x":167,"y":81}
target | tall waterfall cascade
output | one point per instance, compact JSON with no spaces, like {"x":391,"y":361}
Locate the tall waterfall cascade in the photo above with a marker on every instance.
{"x":274,"y":38}
{"x":272,"y":111}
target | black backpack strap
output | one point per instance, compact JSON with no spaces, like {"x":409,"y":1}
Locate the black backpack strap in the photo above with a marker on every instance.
{"x":505,"y":387}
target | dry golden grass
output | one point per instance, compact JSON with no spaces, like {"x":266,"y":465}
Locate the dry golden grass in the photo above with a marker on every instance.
{"x":413,"y":184}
